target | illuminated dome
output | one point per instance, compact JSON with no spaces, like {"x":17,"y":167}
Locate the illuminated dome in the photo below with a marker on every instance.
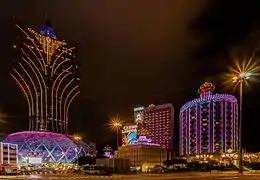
{"x":47,"y":30}
{"x":49,"y":146}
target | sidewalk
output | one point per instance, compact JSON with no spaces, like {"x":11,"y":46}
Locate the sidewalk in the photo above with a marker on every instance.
{"x":12,"y":177}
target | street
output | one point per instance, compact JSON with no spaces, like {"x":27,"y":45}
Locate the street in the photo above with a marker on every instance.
{"x":176,"y":176}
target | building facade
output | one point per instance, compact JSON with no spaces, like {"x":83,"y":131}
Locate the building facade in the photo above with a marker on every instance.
{"x":9,"y":154}
{"x":154,"y":123}
{"x":117,"y":164}
{"x":209,"y":124}
{"x":46,"y":73}
{"x":143,"y":156}
{"x":159,"y":124}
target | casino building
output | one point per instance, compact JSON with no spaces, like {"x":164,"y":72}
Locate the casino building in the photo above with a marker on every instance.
{"x":153,"y":122}
{"x":209,"y":123}
{"x":46,"y":72}
{"x":158,"y":121}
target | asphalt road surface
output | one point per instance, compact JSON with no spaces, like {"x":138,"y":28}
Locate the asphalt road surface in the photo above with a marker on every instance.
{"x":180,"y":176}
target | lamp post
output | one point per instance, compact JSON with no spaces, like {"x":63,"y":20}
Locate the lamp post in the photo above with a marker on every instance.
{"x":77,"y":156}
{"x":77,"y":139}
{"x":240,"y":79}
{"x":116,"y":125}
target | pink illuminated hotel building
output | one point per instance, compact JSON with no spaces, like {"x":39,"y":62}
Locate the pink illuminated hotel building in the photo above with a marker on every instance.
{"x":209,"y":124}
{"x":158,"y":121}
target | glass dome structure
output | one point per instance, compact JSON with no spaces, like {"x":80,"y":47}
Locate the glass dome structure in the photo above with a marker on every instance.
{"x":49,"y":146}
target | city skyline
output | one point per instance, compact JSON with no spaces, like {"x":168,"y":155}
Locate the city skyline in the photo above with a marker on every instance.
{"x":126,"y":58}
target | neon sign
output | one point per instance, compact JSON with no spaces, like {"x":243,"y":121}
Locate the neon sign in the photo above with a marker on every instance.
{"x":129,"y":129}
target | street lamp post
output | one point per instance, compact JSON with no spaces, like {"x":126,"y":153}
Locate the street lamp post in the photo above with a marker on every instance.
{"x":76,"y":149}
{"x":77,"y":139}
{"x":240,"y":127}
{"x":240,"y":79}
{"x":116,"y":125}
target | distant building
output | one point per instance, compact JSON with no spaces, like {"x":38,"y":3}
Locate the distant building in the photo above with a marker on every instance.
{"x":143,"y":156}
{"x":159,"y":123}
{"x":209,"y":124}
{"x":154,"y":122}
{"x":8,"y":155}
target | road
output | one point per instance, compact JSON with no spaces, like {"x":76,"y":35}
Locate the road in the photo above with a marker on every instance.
{"x":179,"y":176}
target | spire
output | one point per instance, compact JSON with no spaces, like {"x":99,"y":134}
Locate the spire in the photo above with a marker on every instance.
{"x":47,"y":20}
{"x":47,"y":29}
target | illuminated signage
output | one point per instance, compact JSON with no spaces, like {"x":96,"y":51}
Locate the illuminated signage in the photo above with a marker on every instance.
{"x":143,"y":140}
{"x":139,"y":118}
{"x":129,"y":134}
{"x":34,"y":160}
{"x":129,"y":129}
{"x":139,"y":108}
{"x":139,"y":115}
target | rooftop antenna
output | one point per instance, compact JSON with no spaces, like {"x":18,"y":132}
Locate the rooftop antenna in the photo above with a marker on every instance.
{"x":47,"y":20}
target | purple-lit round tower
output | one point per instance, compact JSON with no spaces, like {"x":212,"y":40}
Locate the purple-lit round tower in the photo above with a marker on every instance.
{"x":209,"y":124}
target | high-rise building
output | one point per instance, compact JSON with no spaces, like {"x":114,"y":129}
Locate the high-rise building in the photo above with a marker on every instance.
{"x":159,"y":123}
{"x":209,"y":124}
{"x":46,"y":73}
{"x":153,"y":122}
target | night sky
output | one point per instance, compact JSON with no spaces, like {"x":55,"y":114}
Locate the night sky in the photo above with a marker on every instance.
{"x":135,"y":52}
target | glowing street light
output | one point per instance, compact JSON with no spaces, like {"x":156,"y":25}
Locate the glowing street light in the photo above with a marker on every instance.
{"x":116,"y":125}
{"x":77,"y":138}
{"x":241,"y":76}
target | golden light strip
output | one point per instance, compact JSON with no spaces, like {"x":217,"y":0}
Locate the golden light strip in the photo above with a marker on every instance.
{"x":60,"y":64}
{"x":31,"y":39}
{"x":52,"y":68}
{"x":67,"y":111}
{"x":44,"y":84}
{"x":41,"y":111}
{"x":65,"y":102}
{"x":27,"y":98}
{"x":52,"y":92}
{"x":33,"y":113}
{"x":34,"y":55}
{"x":47,"y":53}
{"x":57,"y":90}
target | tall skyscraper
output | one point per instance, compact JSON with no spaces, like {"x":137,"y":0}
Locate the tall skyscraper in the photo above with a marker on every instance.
{"x":46,"y":73}
{"x":159,"y":123}
{"x":209,"y":124}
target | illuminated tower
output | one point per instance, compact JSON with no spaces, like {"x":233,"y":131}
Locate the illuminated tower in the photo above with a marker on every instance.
{"x":209,"y":124}
{"x":46,"y":73}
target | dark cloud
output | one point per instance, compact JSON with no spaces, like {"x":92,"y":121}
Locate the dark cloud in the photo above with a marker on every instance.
{"x":232,"y":27}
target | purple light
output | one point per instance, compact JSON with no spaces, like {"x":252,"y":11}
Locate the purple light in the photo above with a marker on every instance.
{"x":209,"y":120}
{"x":49,"y":146}
{"x":144,"y":143}
{"x":143,"y":140}
{"x":211,"y":97}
